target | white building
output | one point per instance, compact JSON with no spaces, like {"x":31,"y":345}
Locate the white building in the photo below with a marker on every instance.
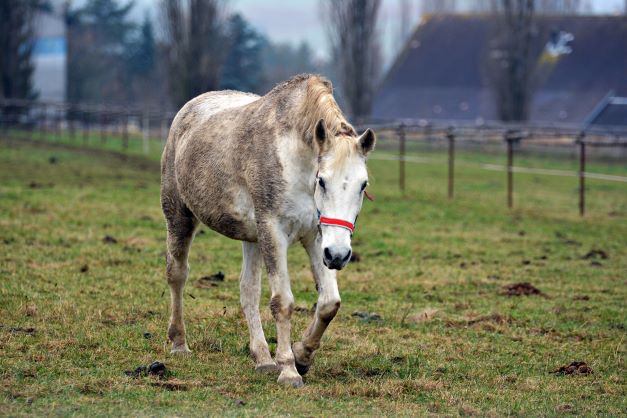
{"x":50,"y":56}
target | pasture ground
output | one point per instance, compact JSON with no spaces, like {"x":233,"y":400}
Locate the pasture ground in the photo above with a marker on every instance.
{"x":75,"y":305}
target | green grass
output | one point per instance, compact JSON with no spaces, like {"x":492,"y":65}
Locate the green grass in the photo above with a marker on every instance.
{"x":478,"y":352}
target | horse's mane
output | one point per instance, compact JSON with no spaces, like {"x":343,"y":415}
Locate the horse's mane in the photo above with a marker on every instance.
{"x":317,"y":103}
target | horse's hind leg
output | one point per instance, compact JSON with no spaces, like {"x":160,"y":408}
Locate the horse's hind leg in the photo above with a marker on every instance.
{"x":181,"y":226}
{"x":250,"y":293}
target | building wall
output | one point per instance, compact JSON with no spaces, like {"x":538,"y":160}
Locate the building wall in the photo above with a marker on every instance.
{"x":50,"y":56}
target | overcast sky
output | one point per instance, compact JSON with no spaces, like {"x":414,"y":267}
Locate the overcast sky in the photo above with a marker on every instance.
{"x":296,"y":20}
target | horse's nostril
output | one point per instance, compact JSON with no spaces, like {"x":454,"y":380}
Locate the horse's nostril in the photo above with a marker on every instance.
{"x":348,"y":255}
{"x":327,"y":254}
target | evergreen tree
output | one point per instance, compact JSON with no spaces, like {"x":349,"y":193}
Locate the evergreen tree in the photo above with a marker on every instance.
{"x":16,"y":47}
{"x":98,"y":38}
{"x":141,"y":54}
{"x":243,"y":69}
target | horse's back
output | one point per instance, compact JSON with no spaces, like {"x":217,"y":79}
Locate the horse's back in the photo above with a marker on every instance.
{"x":208,"y":104}
{"x":201,"y":108}
{"x":195,"y":113}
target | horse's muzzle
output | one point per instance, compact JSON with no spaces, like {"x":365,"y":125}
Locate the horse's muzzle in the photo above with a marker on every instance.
{"x":336,"y":258}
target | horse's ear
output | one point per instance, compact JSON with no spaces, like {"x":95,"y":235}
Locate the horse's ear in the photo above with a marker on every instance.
{"x":366,"y":141}
{"x":320,"y":133}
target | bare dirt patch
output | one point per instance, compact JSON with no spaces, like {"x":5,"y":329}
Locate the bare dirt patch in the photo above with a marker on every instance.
{"x":174,"y":384}
{"x":36,"y":185}
{"x":305,"y":311}
{"x":19,"y":330}
{"x":565,"y":240}
{"x":521,"y":289}
{"x":426,"y":315}
{"x":108,"y":239}
{"x":489,"y":320}
{"x":367,"y":316}
{"x":595,"y":254}
{"x":156,"y":369}
{"x":576,"y":367}
{"x":207,"y":282}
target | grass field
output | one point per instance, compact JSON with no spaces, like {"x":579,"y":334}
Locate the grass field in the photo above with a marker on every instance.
{"x":75,"y":307}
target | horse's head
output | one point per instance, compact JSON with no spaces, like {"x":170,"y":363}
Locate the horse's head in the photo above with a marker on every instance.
{"x":340,"y":186}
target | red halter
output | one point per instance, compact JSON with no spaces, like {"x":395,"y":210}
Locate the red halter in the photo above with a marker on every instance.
{"x":323,"y":220}
{"x":337,"y":222}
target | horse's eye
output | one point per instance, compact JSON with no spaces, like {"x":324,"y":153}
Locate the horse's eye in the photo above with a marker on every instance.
{"x":363,"y":186}
{"x":321,"y":183}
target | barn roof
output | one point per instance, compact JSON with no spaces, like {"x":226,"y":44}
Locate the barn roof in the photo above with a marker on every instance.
{"x":611,"y":112}
{"x":442,"y":74}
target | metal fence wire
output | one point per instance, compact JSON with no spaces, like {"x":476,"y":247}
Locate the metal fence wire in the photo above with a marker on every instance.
{"x":81,"y":123}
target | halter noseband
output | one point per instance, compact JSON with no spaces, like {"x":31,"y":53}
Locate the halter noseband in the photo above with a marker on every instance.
{"x":323,"y":220}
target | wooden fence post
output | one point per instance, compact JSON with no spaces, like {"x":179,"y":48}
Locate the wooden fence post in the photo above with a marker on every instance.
{"x":509,"y":137}
{"x":57,"y":123}
{"x":401,"y":157}
{"x":29,"y":122}
{"x":71,"y":119}
{"x":3,"y":126}
{"x":146,"y":131}
{"x":164,"y":129}
{"x":582,"y":174}
{"x":85,"y":126}
{"x":125,"y":131}
{"x":102,"y":125}
{"x":43,"y":121}
{"x":450,"y":135}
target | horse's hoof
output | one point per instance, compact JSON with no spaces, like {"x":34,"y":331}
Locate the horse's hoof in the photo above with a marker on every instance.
{"x":302,"y":369}
{"x":181,"y":350}
{"x":299,"y":353}
{"x":293,"y":381}
{"x":269,"y":368}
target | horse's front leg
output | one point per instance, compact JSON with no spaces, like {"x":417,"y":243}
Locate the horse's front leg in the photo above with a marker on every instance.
{"x":274,"y":245}
{"x":326,"y":308}
{"x":250,"y":293}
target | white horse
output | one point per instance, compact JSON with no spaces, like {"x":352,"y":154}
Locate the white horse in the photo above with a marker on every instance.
{"x":268,"y":171}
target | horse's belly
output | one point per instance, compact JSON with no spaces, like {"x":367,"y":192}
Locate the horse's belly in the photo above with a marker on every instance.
{"x":226,"y":209}
{"x":232,"y":217}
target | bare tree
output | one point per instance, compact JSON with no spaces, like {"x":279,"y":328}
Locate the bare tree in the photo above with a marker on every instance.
{"x":438,"y":6}
{"x":194,"y":40}
{"x":405,"y":9}
{"x":563,"y":7}
{"x":510,"y":60}
{"x":548,"y":7}
{"x":352,"y":26}
{"x":402,"y":25}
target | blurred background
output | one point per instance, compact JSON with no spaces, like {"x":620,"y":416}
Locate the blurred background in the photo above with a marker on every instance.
{"x":499,"y":78}
{"x":543,"y":60}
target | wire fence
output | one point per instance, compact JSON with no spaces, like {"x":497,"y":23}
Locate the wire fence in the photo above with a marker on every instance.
{"x":139,"y":130}
{"x":549,"y":137}
{"x":76,"y":122}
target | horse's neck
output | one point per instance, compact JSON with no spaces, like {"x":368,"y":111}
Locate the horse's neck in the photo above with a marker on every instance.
{"x":299,"y":162}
